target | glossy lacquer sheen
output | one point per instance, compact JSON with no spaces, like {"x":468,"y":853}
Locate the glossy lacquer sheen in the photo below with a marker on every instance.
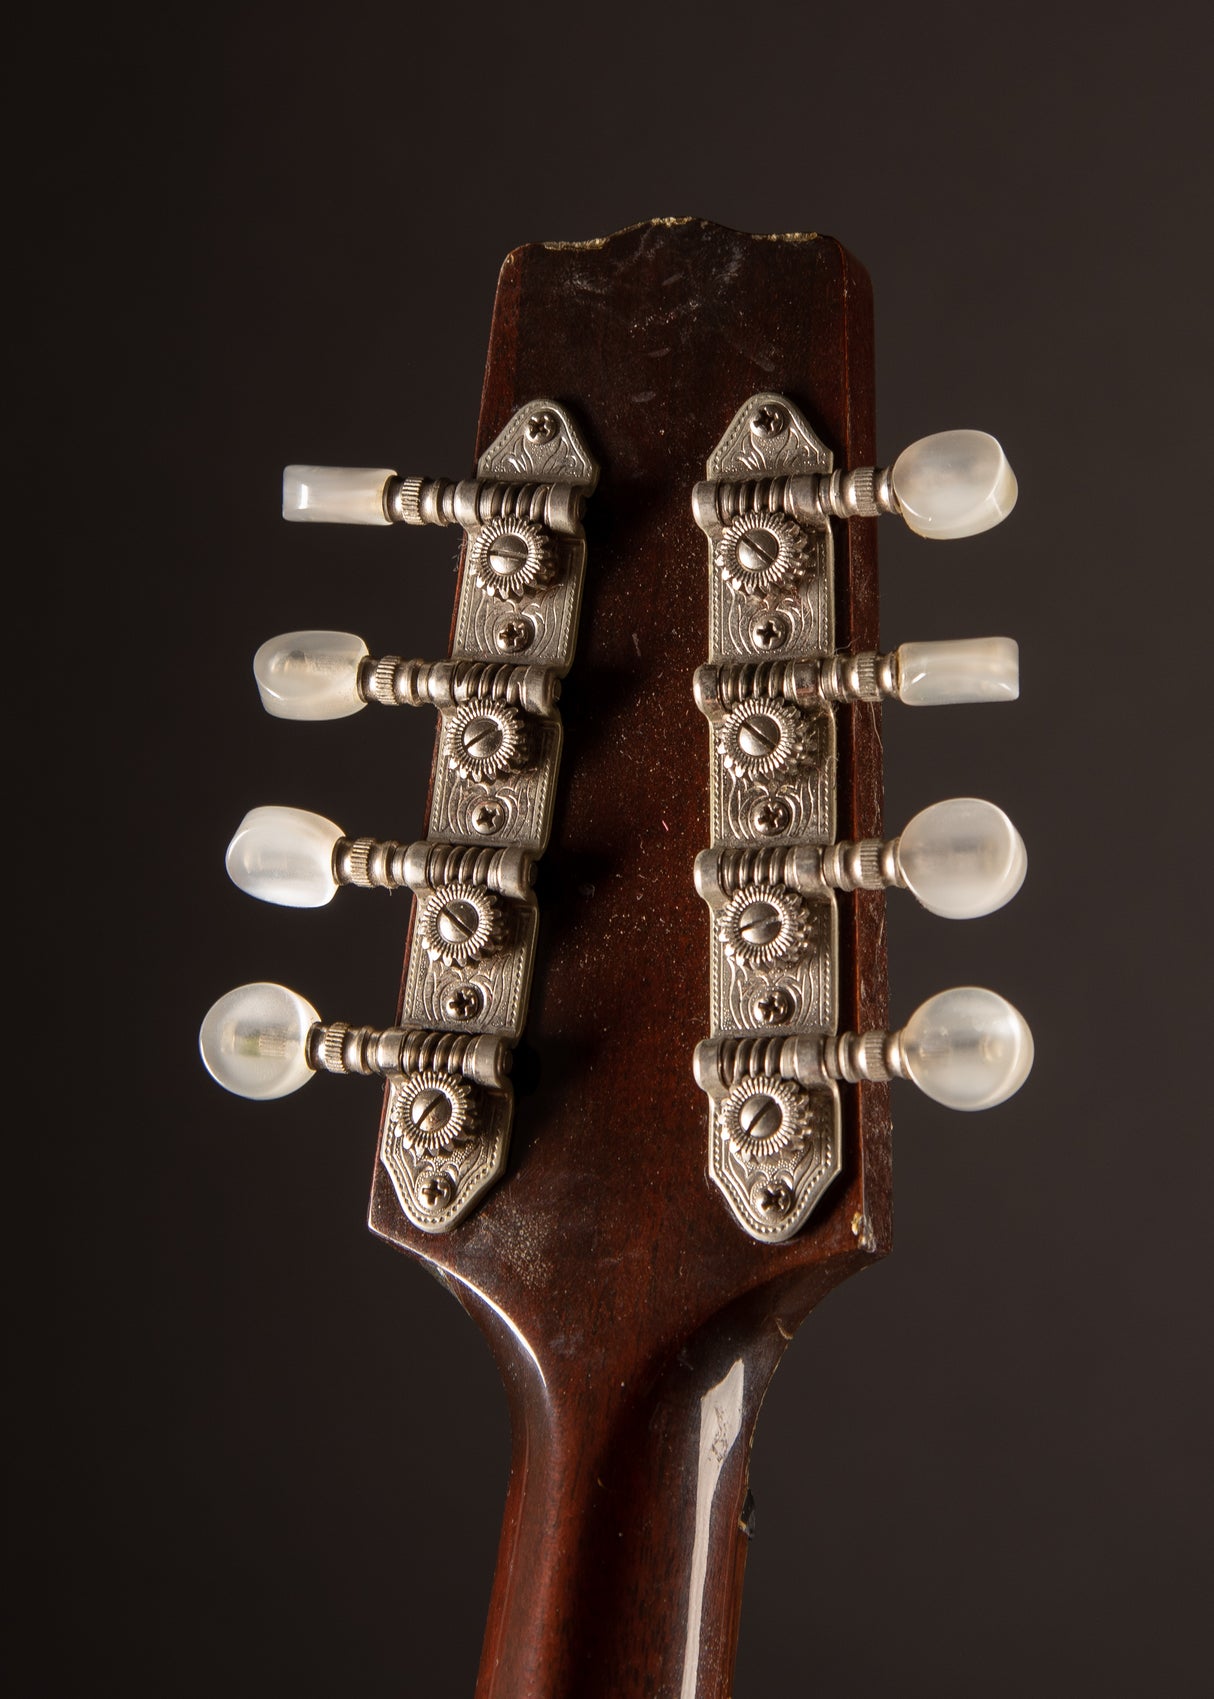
{"x":636,"y":1325}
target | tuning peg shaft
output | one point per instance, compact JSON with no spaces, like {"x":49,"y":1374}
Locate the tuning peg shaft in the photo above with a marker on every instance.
{"x":264,"y":1041}
{"x":326,"y":675}
{"x":960,"y":859}
{"x":376,"y":495}
{"x":932,"y":674}
{"x":967,"y":1048}
{"x":952,"y":484}
{"x":299,"y":860}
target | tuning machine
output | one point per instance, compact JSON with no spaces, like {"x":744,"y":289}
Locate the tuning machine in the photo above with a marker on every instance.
{"x":468,"y":975}
{"x":770,"y":690}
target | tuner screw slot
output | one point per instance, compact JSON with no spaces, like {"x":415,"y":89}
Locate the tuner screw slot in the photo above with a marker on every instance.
{"x":764,"y":923}
{"x":763,"y":1115}
{"x":761,"y":739}
{"x":511,"y":556}
{"x":429,"y":1111}
{"x":485,"y":739}
{"x":459,"y":924}
{"x":761,"y":552}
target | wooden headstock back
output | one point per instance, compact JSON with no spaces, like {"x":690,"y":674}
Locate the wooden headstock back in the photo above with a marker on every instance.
{"x":636,"y":1325}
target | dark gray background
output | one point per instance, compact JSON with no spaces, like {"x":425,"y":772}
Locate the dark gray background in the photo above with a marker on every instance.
{"x":268,"y":1454}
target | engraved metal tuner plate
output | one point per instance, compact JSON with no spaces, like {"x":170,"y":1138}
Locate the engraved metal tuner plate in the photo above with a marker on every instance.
{"x":445,"y":1138}
{"x":774,"y":1143}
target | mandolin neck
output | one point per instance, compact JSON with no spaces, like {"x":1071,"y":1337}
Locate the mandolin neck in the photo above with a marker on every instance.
{"x":624,"y":1539}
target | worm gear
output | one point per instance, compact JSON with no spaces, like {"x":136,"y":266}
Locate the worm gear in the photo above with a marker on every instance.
{"x":485,"y":739}
{"x":763,"y":738}
{"x":458,"y":924}
{"x":759,"y":552}
{"x":765,"y":923}
{"x":763,"y":1115}
{"x":429,"y":1110}
{"x":511,"y":556}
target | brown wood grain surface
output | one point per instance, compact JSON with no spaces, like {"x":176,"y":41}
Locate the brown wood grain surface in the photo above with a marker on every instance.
{"x":635,"y":1324}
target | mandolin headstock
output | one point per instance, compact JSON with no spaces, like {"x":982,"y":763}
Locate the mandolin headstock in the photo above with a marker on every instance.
{"x":636,"y":1307}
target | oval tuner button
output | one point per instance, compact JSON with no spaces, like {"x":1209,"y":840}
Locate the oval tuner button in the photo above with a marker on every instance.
{"x":953,"y":484}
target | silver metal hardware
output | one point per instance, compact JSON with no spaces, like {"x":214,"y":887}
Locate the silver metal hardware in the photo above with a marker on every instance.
{"x":808,"y":682}
{"x":809,"y":498}
{"x":480,"y":501}
{"x":767,"y":689}
{"x":449,"y":684}
{"x":467,"y":979}
{"x":470,"y":965}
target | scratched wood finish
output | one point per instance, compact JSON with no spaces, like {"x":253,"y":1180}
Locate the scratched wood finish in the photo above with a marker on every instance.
{"x":636,"y":1326}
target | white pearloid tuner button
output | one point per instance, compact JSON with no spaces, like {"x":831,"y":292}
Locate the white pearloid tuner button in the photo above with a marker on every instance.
{"x":336,"y":495}
{"x":254,"y":1041}
{"x":953,"y":484}
{"x":310,"y":675}
{"x":285,"y":856}
{"x":967,"y":1048}
{"x":961,"y":858}
{"x":949,"y":670}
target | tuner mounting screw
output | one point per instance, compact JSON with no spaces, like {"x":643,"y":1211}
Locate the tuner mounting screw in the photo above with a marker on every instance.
{"x":436,"y":1191}
{"x":772,"y":817}
{"x":543,"y":427}
{"x":488,"y":816}
{"x":774,"y":1008}
{"x":772,"y":1199}
{"x":462,"y":1004}
{"x":514,"y":635}
{"x":768,"y":421}
{"x":770,"y":631}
